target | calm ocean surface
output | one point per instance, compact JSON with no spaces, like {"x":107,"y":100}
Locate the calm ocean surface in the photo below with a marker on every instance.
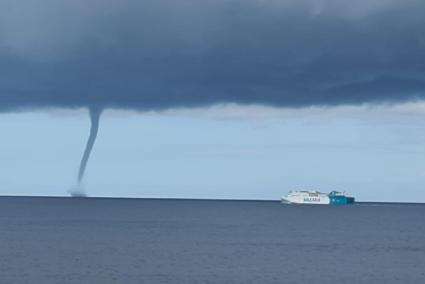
{"x":66,"y":240}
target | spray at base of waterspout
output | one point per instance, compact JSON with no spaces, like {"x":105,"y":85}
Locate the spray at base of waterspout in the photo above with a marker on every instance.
{"x":77,"y":192}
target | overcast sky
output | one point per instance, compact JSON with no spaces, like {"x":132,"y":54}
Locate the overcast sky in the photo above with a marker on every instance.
{"x":228,"y":98}
{"x":157,"y":54}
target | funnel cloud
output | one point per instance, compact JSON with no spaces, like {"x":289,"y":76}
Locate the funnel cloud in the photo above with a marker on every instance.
{"x":94,"y":119}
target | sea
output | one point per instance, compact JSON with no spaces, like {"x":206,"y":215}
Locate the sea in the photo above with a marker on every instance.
{"x":108,"y":240}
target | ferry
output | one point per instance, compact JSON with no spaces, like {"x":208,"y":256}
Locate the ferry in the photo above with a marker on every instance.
{"x":316,"y":197}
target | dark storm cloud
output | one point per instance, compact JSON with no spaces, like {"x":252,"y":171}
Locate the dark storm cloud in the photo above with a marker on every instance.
{"x":157,"y":54}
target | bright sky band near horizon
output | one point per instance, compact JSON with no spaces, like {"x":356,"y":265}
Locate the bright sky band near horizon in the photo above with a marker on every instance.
{"x":230,"y":151}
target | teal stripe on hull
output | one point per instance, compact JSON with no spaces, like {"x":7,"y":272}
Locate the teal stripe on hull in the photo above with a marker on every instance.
{"x":341,"y":200}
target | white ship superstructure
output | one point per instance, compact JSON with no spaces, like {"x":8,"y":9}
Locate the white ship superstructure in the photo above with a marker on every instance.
{"x":306,"y":197}
{"x":316,"y":197}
